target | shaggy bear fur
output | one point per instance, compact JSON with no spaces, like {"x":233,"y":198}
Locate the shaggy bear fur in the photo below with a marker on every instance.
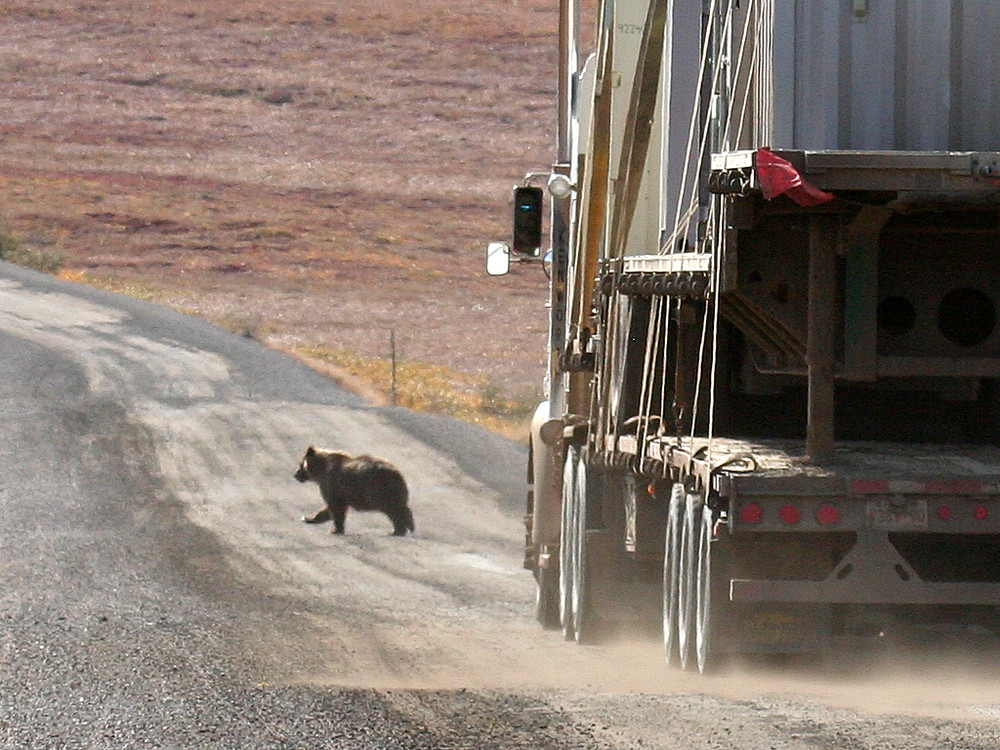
{"x":359,"y":482}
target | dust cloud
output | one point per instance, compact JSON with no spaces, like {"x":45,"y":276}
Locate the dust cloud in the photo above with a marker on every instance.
{"x":960,"y":680}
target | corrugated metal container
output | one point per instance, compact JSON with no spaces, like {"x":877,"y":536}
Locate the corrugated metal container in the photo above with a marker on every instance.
{"x":921,"y":75}
{"x":855,"y":75}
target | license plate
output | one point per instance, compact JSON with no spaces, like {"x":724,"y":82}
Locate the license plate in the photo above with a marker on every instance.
{"x":894,"y":514}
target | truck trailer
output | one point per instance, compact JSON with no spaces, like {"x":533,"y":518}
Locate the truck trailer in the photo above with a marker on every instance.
{"x":772,"y":398}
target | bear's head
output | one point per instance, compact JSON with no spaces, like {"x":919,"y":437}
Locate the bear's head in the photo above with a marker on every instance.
{"x":317,"y":462}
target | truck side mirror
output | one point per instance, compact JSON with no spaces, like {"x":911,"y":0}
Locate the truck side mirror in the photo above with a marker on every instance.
{"x":527,"y":221}
{"x":497,"y":258}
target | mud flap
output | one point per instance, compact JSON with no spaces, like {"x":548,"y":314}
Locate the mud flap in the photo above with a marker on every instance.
{"x":753,"y":628}
{"x":619,"y":593}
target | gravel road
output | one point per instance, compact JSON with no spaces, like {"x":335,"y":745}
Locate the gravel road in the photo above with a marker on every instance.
{"x":159,"y":590}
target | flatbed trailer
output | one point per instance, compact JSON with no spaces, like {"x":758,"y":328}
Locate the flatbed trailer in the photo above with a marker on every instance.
{"x":872,"y":491}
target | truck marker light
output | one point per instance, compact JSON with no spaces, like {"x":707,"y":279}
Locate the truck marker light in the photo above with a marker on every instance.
{"x":790,"y":514}
{"x":827,"y":514}
{"x":982,"y":513}
{"x":751,"y":513}
{"x":944,"y":513}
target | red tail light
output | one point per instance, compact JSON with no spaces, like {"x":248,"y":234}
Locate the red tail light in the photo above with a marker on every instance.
{"x":751,"y":513}
{"x":828,"y":514}
{"x":790,"y":514}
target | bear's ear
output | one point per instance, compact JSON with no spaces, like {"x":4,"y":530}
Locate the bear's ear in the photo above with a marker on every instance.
{"x":310,"y":451}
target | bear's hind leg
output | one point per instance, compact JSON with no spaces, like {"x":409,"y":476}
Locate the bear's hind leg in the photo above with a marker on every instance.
{"x":401,"y":522}
{"x":321,"y":516}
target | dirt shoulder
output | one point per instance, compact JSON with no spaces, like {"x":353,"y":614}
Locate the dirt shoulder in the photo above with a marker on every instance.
{"x":312,"y":175}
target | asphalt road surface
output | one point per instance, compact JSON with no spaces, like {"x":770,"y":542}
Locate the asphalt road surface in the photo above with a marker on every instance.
{"x":158,"y":589}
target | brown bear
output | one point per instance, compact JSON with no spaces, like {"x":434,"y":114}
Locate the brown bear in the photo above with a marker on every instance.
{"x":359,"y":482}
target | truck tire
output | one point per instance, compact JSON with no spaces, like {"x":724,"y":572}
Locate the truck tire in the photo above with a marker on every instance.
{"x":687,"y":578}
{"x":580,"y":590}
{"x":566,"y":567}
{"x":704,"y":609}
{"x":590,"y":587}
{"x":671,"y":573}
{"x":711,"y":595}
{"x":589,"y":554}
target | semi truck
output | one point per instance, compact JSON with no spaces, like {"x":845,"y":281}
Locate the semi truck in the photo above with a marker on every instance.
{"x":772,"y":399}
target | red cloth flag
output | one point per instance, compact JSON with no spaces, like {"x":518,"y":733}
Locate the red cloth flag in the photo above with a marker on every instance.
{"x":777,"y":177}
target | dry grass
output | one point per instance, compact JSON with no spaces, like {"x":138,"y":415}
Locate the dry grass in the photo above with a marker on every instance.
{"x":38,"y":252}
{"x":426,"y":387}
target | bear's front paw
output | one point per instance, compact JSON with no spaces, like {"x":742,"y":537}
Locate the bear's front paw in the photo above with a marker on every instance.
{"x":321,"y":516}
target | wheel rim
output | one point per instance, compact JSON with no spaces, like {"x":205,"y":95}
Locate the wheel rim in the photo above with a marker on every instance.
{"x":671,"y":573}
{"x":579,"y":555}
{"x":566,"y":547}
{"x":703,"y":594}
{"x":686,"y":586}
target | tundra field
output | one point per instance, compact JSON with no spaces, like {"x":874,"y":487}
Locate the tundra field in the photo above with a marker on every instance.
{"x":322,"y":176}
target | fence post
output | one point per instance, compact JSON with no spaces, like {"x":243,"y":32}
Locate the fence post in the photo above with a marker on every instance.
{"x":392,"y":347}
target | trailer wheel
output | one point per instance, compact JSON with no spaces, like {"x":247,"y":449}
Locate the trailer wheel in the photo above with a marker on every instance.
{"x":671,"y":572}
{"x":703,"y":591}
{"x":707,"y":602}
{"x":713,"y":636}
{"x":687,"y":585}
{"x":583,"y":603}
{"x":566,"y":567}
{"x":589,"y":554}
{"x":578,"y":541}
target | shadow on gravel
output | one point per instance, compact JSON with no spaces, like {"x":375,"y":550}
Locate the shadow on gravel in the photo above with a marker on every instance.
{"x":481,"y":454}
